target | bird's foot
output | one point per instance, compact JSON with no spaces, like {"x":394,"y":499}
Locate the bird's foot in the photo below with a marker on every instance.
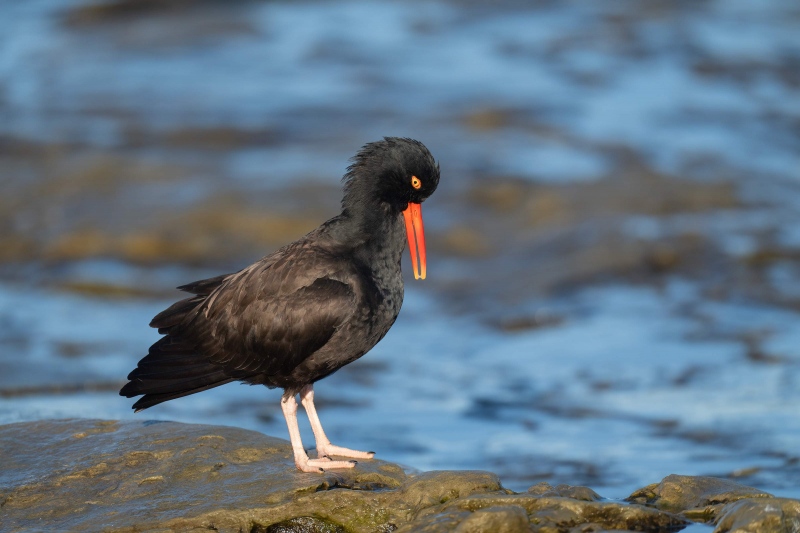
{"x":330,"y":449}
{"x":316,"y":466}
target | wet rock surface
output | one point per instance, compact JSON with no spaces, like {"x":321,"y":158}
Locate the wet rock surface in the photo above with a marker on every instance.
{"x":92,"y":475}
{"x":762,"y":515}
{"x":688,"y":493}
{"x":729,"y":505}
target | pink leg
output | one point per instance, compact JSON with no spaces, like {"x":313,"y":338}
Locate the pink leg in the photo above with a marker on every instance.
{"x":301,"y":460}
{"x":324,"y":446}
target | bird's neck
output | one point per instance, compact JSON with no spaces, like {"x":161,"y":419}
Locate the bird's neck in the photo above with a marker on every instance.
{"x":375,"y":232}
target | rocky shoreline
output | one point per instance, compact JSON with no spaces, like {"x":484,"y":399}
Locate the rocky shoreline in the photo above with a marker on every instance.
{"x":124,"y":476}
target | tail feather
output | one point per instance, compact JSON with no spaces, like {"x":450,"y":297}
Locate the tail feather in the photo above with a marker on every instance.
{"x":173,"y":373}
{"x":162,"y":384}
{"x":169,"y":346}
{"x":174,"y":366}
{"x":204,"y":286}
{"x":174,"y":314}
{"x":159,"y":381}
{"x":168,"y":352}
{"x":149,"y":400}
{"x":161,"y":362}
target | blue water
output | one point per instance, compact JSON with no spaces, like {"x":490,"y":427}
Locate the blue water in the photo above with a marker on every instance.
{"x":637,"y":381}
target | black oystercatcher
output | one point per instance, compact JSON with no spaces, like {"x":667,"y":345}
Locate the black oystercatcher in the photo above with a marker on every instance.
{"x":301,"y":313}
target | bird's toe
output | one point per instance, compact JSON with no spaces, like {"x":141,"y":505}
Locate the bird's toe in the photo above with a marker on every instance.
{"x":309,"y":468}
{"x":343,"y":452}
{"x":329,"y":464}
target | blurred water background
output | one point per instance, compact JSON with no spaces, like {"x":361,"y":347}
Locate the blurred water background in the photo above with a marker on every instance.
{"x":613,"y":289}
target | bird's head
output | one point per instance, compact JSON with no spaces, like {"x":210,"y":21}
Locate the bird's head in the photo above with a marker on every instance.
{"x":398,"y":173}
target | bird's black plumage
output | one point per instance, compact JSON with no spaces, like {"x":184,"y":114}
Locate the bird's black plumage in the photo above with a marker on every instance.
{"x":301,"y":313}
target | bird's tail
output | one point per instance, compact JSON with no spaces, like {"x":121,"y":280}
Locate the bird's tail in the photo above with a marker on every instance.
{"x":173,"y":366}
{"x":170,"y":370}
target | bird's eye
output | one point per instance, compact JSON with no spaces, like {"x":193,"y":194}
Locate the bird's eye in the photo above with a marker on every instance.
{"x":416,"y":182}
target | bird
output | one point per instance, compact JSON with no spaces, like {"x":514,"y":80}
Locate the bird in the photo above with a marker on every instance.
{"x":306,"y":310}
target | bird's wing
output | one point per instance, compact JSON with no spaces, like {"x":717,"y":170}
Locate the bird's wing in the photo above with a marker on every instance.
{"x":268,"y":318}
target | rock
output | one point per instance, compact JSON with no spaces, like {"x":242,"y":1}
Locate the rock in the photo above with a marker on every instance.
{"x":576,"y":493}
{"x":500,"y":519}
{"x":697,"y":498}
{"x":729,"y":505}
{"x":123,"y":476}
{"x":87,"y":475}
{"x":764,"y":515}
{"x":554,"y":514}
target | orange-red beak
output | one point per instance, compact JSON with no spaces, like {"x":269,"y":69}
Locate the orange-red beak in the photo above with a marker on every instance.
{"x":416,"y":238}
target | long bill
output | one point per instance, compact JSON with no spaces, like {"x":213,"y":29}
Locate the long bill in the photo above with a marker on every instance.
{"x":416,"y":238}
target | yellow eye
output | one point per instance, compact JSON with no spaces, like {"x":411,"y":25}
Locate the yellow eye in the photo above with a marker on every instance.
{"x":416,"y":182}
